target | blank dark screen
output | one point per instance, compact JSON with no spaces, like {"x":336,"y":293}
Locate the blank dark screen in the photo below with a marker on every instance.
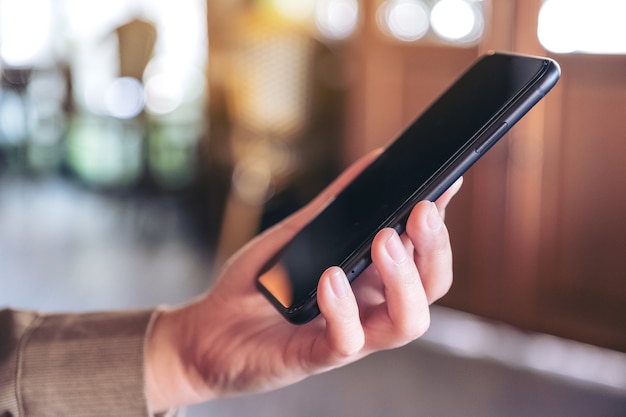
{"x":423,"y":148}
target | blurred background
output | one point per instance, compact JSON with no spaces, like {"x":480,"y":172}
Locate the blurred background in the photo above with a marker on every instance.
{"x":143,"y":142}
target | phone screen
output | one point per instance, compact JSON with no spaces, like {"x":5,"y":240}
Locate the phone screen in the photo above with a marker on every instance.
{"x":425,"y":159}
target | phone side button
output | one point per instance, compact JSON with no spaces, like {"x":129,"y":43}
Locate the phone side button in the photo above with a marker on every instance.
{"x":492,"y":138}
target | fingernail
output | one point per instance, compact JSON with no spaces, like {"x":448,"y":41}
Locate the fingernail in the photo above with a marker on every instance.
{"x":339,"y":284}
{"x":433,"y":219}
{"x":395,"y":248}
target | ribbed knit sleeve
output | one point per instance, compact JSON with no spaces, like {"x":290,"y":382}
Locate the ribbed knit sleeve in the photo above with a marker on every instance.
{"x":73,"y":364}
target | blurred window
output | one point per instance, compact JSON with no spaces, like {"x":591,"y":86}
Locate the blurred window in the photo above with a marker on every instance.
{"x":582,"y":26}
{"x":91,"y":85}
{"x":25,"y":36}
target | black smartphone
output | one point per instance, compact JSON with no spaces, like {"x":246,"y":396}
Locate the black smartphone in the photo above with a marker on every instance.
{"x":424,"y":160}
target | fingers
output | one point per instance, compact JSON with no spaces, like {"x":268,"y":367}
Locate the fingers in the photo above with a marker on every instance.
{"x":338,"y":305}
{"x":414,"y":273}
{"x":406,"y":302}
{"x":432,"y":251}
{"x":443,"y":201}
{"x":397,"y":318}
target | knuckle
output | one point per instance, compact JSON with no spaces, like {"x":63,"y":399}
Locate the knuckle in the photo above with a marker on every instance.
{"x":413,"y":328}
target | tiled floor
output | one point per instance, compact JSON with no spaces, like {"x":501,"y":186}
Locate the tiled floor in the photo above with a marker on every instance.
{"x":65,"y":248}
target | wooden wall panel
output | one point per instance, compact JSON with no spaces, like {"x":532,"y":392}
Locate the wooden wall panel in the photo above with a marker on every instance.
{"x":582,"y":286}
{"x":539,"y":229}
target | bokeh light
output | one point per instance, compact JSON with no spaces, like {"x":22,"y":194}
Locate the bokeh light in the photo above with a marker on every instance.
{"x":168,"y":86}
{"x":123,"y":98}
{"x":163,"y":93}
{"x":456,"y":20}
{"x":337,"y":19}
{"x":407,"y":20}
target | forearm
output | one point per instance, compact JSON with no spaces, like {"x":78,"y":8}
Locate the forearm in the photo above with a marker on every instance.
{"x":73,"y":364}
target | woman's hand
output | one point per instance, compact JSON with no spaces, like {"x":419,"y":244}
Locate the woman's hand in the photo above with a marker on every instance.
{"x":233,"y":341}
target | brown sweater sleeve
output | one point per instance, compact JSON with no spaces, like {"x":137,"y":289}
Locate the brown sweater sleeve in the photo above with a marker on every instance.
{"x":72,"y":364}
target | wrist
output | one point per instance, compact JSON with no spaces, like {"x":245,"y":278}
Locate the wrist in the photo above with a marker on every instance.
{"x":167,"y":371}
